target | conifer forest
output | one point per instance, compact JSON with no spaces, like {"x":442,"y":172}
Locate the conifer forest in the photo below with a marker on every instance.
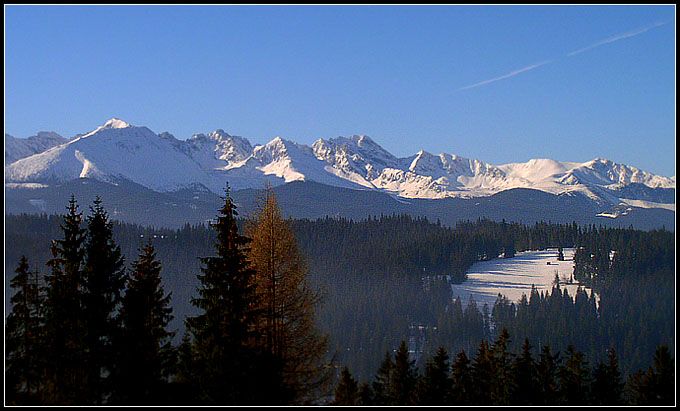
{"x":264,"y":310}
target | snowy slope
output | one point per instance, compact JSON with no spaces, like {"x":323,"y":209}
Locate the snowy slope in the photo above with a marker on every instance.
{"x":113,"y":151}
{"x":164,"y":163}
{"x":18,"y":148}
{"x":513,"y":277}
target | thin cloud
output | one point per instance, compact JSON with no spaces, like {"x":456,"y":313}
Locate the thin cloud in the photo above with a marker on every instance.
{"x":573,"y":53}
{"x":616,"y":38}
{"x":511,"y":74}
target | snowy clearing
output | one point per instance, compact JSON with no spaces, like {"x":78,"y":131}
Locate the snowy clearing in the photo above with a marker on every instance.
{"x":513,"y":277}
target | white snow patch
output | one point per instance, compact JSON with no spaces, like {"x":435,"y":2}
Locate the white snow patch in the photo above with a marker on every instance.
{"x":513,"y":277}
{"x":606,"y":215}
{"x":26,"y":185}
{"x":648,"y":204}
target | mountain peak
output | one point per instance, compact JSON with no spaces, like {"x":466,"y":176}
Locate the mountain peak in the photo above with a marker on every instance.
{"x":116,"y":123}
{"x":219,"y":132}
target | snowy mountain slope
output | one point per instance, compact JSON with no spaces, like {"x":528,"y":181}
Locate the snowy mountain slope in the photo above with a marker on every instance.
{"x":18,"y":148}
{"x":117,"y":150}
{"x":113,"y":151}
{"x":216,"y":150}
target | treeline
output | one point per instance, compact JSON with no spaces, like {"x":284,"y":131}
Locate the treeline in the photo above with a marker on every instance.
{"x":497,"y":376}
{"x":95,"y":332}
{"x":631,"y":306}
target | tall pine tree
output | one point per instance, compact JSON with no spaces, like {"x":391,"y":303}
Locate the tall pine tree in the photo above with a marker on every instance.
{"x":404,"y":377}
{"x":524,"y":376}
{"x":574,"y":378}
{"x":144,"y":347}
{"x":607,"y":387}
{"x":656,"y":386}
{"x":461,"y":377}
{"x":546,"y":372}
{"x":103,"y":281}
{"x":65,"y":319}
{"x":434,"y":386}
{"x":347,"y":391}
{"x":23,"y":339}
{"x":225,"y":335}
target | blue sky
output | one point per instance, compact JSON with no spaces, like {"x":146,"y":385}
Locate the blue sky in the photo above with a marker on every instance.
{"x":500,"y":84}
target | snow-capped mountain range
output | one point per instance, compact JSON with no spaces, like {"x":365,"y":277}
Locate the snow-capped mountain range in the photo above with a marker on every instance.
{"x":161,"y":162}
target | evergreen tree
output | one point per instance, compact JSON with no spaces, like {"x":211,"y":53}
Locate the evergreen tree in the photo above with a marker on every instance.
{"x":461,"y":378}
{"x":546,"y":372}
{"x":225,"y":333}
{"x":382,"y":381}
{"x":184,"y":386}
{"x":657,"y":385}
{"x":607,"y":387}
{"x":574,"y":379}
{"x":482,"y":375}
{"x":289,"y":304}
{"x":103,"y":281}
{"x":65,"y":365}
{"x":23,"y":339}
{"x":366,"y":395}
{"x":347,"y":392}
{"x":502,"y":383}
{"x":434,"y":387}
{"x":524,"y":376}
{"x":403,"y":379}
{"x":145,"y":353}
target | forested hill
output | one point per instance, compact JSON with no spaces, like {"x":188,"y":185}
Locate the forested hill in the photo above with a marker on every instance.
{"x":386,"y":277}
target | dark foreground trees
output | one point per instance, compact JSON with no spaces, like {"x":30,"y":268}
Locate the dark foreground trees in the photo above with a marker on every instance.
{"x":97,"y":333}
{"x":256,"y":328}
{"x":23,"y":331}
{"x":144,"y":354}
{"x":226,"y":342}
{"x":498,"y":377}
{"x":69,"y":342}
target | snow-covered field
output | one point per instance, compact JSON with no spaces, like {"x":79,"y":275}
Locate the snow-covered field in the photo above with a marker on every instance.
{"x":513,"y":277}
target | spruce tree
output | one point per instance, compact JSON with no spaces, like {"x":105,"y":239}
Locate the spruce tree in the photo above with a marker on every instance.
{"x":225,"y":333}
{"x":347,"y":392}
{"x":461,"y":378}
{"x":482,"y":373}
{"x":546,"y":373}
{"x":574,"y":378}
{"x":502,"y":384}
{"x":607,"y":387}
{"x":23,"y":329}
{"x":656,"y":386}
{"x":184,"y":387}
{"x":144,"y":349}
{"x":524,"y":376}
{"x":103,"y":281}
{"x":382,"y":381}
{"x":366,"y":395}
{"x":65,"y":366}
{"x":403,"y":379}
{"x":434,"y":387}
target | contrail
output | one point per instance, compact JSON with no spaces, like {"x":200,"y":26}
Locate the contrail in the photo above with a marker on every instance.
{"x":513,"y":73}
{"x":573,"y":53}
{"x":616,"y":38}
